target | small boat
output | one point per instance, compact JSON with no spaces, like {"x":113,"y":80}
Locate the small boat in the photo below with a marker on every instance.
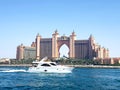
{"x":49,"y":67}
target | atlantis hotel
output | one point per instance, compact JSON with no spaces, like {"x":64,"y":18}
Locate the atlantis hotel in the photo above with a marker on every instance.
{"x":79,"y":49}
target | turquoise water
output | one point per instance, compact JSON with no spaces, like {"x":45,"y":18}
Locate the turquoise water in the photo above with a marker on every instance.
{"x":16,"y":78}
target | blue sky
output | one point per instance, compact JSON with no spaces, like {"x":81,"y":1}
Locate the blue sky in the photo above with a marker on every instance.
{"x":21,"y":20}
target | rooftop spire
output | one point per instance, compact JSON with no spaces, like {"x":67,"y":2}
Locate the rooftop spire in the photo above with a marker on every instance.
{"x":38,"y":35}
{"x":91,"y":36}
{"x":73,"y":33}
{"x":56,"y":32}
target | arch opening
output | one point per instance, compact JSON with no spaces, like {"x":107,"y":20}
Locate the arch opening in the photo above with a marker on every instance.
{"x":64,"y":51}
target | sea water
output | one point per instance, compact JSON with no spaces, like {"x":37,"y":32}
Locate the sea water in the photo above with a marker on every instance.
{"x":17,"y":78}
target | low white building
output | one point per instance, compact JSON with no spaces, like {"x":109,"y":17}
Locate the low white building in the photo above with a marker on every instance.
{"x":5,"y":60}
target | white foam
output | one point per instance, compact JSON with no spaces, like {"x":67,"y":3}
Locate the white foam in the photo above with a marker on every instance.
{"x":20,"y":70}
{"x":34,"y":71}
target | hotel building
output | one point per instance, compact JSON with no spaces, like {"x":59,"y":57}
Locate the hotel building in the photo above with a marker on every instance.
{"x":80,"y":49}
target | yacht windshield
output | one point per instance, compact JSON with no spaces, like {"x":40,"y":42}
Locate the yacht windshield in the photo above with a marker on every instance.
{"x":45,"y":65}
{"x":53,"y":64}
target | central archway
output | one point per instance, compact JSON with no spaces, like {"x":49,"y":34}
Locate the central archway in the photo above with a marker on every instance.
{"x":57,"y":42}
{"x":64,"y":51}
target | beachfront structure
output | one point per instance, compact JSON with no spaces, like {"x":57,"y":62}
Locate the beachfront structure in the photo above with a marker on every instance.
{"x":4,"y":61}
{"x":113,"y":60}
{"x":25,"y":52}
{"x":80,"y":49}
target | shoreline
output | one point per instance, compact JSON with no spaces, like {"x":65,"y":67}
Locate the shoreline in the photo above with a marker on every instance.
{"x":76,"y":66}
{"x":93,"y":66}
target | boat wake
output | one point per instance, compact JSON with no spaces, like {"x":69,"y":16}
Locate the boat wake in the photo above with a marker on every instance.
{"x":49,"y":72}
{"x":23,"y":70}
{"x":14,"y":70}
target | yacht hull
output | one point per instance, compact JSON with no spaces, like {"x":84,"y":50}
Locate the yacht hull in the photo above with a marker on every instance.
{"x":55,"y":69}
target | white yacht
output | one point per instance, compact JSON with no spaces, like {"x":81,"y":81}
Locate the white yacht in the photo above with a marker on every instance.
{"x":48,"y":67}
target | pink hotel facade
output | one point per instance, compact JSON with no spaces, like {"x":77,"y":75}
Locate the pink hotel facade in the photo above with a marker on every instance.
{"x":80,"y":49}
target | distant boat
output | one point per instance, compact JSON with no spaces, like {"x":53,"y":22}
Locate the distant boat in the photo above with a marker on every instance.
{"x":49,"y":67}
